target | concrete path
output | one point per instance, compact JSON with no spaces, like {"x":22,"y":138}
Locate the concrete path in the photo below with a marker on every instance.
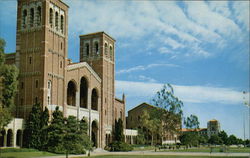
{"x":158,"y":153}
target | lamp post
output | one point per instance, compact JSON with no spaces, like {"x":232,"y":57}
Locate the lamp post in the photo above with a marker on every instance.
{"x":246,"y":102}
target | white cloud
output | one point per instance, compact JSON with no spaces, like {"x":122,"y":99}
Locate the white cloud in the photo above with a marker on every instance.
{"x":146,"y":79}
{"x":241,"y":9}
{"x":145,"y":67}
{"x":188,"y":94}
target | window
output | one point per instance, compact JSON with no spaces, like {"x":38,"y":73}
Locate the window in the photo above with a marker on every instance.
{"x":36,"y":100}
{"x":51,"y":17}
{"x":111,"y":51}
{"x":39,"y":15}
{"x":61,"y":45}
{"x":96,"y":48}
{"x":36,"y":83}
{"x":62,"y":21}
{"x":49,"y":92}
{"x":31,"y":17}
{"x":56,"y":23}
{"x":22,"y":85}
{"x":60,"y":64}
{"x":106,"y":48}
{"x":87,"y":49}
{"x":24,"y":18}
{"x":30,"y":60}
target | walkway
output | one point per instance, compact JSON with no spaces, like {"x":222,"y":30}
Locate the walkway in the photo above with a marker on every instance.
{"x":157,"y":153}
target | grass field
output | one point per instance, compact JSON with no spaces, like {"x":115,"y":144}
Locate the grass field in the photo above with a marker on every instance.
{"x":23,"y":153}
{"x":155,"y":156}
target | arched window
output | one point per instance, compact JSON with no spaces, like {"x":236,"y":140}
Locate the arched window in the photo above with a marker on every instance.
{"x":62,"y":23}
{"x":49,"y":92}
{"x":71,"y":93}
{"x":39,"y":15}
{"x":96,"y":48}
{"x":56,"y":23}
{"x":111,"y":51}
{"x":24,"y":20}
{"x":31,"y":17}
{"x":87,"y":49}
{"x":106,"y":48}
{"x":84,"y":93}
{"x":94,"y":100}
{"x":51,"y":17}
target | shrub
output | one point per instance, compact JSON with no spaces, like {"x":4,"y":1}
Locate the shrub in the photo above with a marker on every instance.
{"x":120,"y":146}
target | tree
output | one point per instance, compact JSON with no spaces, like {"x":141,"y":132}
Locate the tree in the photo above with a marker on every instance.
{"x":189,"y":139}
{"x":56,"y":133}
{"x":118,"y":133}
{"x":33,"y":128}
{"x":169,"y":110}
{"x":192,"y":122}
{"x":224,"y":137}
{"x":44,"y":128}
{"x":215,"y":140}
{"x":8,"y":83}
{"x":232,"y":140}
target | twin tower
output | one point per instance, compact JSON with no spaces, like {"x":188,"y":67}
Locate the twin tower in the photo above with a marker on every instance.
{"x":84,"y":89}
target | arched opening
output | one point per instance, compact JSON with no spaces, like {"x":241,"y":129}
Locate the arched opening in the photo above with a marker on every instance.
{"x":106,"y":48}
{"x":31,"y":17}
{"x":111,"y":52}
{"x":84,"y":93}
{"x":56,"y":22}
{"x":51,"y":17}
{"x":9,"y":138}
{"x":87,"y":49}
{"x":94,"y":133}
{"x":19,"y":138}
{"x":62,"y":23}
{"x":24,"y":18}
{"x":2,"y":136}
{"x":96,"y":48}
{"x":39,"y":15}
{"x":71,"y":93}
{"x":94,"y":100}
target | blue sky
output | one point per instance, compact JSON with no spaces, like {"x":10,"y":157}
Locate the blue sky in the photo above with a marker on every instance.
{"x":201,"y":48}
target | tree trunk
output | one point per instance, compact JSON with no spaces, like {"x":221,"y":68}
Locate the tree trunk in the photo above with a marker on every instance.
{"x":152,"y":140}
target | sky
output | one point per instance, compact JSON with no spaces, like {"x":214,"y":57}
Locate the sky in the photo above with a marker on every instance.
{"x":199,"y":47}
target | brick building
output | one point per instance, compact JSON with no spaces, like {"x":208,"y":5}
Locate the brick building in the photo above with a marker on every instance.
{"x":47,"y":76}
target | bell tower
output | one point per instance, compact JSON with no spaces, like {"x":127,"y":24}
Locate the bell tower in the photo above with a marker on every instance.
{"x":41,"y":53}
{"x":97,"y":49}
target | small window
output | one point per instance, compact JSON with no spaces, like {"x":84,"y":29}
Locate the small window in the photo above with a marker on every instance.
{"x":30,"y":60}
{"x":96,"y":48}
{"x":21,"y":102}
{"x":48,"y":100}
{"x":62,"y":23}
{"x":60,"y":64}
{"x":61,"y":45}
{"x":106,"y":48}
{"x":39,"y":15}
{"x":24,"y":19}
{"x":56,"y":23}
{"x":111,"y":52}
{"x":31,"y":17}
{"x":87,"y":49}
{"x":120,"y":114}
{"x":36,"y":100}
{"x":22,"y":85}
{"x":51,"y":17}
{"x":36,"y":83}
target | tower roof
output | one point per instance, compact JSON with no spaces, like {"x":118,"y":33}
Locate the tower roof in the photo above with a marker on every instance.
{"x":96,"y":33}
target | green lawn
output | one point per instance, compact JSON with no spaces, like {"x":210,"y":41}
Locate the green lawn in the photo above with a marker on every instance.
{"x":155,"y":156}
{"x":23,"y":153}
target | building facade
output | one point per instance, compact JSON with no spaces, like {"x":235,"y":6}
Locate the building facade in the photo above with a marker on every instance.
{"x":133,"y":122}
{"x":48,"y":77}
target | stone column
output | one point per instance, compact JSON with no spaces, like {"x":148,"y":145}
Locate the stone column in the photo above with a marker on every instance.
{"x":89,"y":98}
{"x":78,"y":104}
{"x":14,"y":138}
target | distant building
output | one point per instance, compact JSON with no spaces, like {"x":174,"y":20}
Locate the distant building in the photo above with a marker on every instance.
{"x":133,"y":122}
{"x":213,"y":128}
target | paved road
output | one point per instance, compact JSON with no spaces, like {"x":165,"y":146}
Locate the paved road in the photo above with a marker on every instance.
{"x":159,"y":153}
